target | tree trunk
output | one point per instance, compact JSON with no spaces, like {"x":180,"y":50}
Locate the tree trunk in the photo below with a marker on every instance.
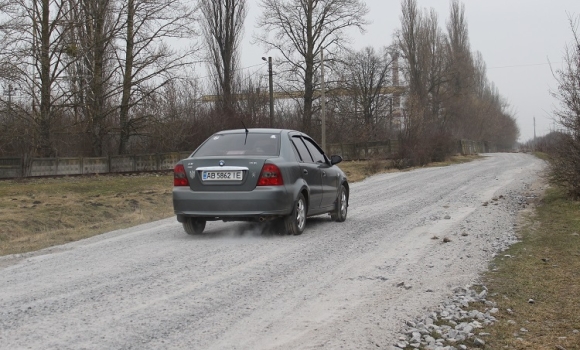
{"x":45,"y":82}
{"x":309,"y":71}
{"x":308,"y":95}
{"x":127,"y":81}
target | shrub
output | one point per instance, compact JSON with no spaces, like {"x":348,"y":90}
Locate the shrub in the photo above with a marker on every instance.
{"x":565,"y":164}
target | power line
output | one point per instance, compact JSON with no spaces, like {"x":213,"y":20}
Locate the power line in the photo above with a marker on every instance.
{"x":521,"y":65}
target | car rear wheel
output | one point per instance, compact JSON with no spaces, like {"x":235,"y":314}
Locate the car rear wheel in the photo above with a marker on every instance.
{"x":296,"y":221}
{"x":193,"y":226}
{"x":339,"y":213}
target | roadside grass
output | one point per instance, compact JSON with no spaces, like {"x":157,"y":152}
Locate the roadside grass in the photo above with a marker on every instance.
{"x":536,"y":282}
{"x":456,"y":160}
{"x":37,"y":213}
{"x":358,"y":170}
{"x":542,"y":155}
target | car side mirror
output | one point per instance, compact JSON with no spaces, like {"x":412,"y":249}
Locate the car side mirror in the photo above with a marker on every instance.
{"x":335,"y":159}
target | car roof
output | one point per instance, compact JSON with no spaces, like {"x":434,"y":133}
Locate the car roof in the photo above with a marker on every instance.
{"x":256,"y":131}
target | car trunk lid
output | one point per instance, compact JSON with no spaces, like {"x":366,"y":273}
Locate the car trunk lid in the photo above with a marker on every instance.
{"x":223,"y":173}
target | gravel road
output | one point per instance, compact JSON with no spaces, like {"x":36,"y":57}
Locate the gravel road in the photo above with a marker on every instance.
{"x":344,"y":285}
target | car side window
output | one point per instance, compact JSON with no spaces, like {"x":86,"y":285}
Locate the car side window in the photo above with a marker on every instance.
{"x":295,"y":151}
{"x":315,"y":151}
{"x":302,"y":150}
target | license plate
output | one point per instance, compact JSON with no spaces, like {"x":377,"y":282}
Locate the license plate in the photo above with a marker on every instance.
{"x":221,"y":175}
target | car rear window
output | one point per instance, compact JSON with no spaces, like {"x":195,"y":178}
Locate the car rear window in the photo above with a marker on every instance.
{"x":240,"y":145}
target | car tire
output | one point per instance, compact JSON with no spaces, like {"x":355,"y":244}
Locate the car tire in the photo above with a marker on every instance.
{"x":277,"y":226}
{"x":296,"y":221}
{"x":341,"y":209}
{"x":193,"y":226}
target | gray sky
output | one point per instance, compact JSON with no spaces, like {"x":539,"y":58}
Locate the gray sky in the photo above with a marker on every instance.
{"x":517,"y":38}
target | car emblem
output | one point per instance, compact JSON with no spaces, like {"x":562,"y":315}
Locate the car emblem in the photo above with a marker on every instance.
{"x":222,"y":163}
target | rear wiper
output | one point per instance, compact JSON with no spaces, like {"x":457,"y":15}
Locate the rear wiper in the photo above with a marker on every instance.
{"x":247,"y":131}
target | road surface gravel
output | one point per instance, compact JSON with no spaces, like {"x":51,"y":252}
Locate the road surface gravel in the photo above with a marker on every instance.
{"x":344,"y":285}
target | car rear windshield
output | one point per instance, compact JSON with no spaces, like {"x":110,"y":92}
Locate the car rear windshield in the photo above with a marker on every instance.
{"x":240,"y":145}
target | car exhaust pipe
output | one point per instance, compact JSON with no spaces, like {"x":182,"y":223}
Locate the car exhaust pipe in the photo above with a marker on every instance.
{"x":261,"y":219}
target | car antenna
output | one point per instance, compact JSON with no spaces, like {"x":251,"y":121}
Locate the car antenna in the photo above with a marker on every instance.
{"x":247,"y":131}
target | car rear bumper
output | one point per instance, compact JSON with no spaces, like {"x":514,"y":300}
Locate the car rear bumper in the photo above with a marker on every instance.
{"x":262,"y":202}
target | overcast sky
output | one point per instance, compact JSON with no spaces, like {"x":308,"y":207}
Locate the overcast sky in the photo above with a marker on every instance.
{"x":517,"y":39}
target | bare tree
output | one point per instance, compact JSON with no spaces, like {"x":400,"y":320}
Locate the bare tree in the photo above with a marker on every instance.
{"x":147,"y":62}
{"x":101,"y":22}
{"x":253,"y":102}
{"x":175,"y":119}
{"x":565,"y":164}
{"x":121,"y":59}
{"x":421,"y":43}
{"x":34,"y":37}
{"x":365,"y":79}
{"x":82,"y":65}
{"x":223,"y":22}
{"x":299,"y":30}
{"x":10,"y":21}
{"x":458,"y":47}
{"x":420,"y":40}
{"x":461,"y":73}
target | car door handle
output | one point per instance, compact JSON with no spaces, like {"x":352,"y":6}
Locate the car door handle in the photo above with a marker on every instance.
{"x":324,"y":174}
{"x":305,"y":172}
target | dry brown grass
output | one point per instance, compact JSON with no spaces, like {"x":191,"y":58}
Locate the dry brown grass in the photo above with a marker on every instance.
{"x":456,"y":160}
{"x":358,"y":170}
{"x":38,"y":213}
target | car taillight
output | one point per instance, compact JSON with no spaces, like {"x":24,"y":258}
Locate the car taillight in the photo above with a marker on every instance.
{"x":270,"y":176}
{"x":179,"y":176}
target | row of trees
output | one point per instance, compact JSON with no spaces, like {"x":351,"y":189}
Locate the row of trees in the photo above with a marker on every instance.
{"x":82,"y":67}
{"x":449,"y":96}
{"x":97,"y":77}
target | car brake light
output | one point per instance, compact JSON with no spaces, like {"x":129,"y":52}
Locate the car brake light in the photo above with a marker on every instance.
{"x":179,"y":176}
{"x":270,"y":176}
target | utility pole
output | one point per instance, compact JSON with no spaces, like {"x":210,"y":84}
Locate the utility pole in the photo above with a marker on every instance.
{"x":390,"y":117}
{"x":323,"y":101}
{"x":534,"y":143}
{"x":271,"y":86}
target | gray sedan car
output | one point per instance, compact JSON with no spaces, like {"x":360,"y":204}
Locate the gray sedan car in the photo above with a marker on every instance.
{"x":259,"y":175}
